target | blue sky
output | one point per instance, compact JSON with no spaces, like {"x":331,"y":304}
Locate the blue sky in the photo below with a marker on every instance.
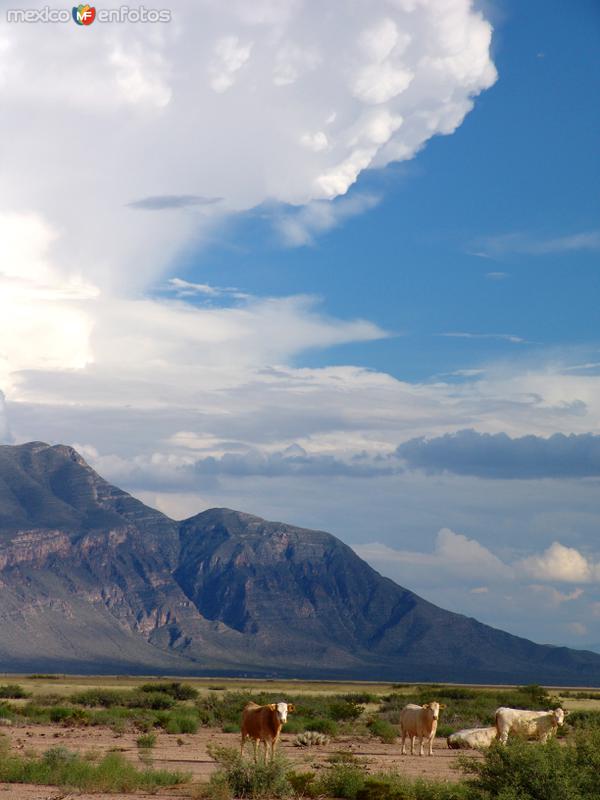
{"x":523,"y":164}
{"x":353,"y":292}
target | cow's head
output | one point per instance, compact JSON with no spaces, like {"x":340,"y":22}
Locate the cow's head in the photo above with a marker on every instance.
{"x":434,"y":709}
{"x":559,"y":716}
{"x":282,"y":710}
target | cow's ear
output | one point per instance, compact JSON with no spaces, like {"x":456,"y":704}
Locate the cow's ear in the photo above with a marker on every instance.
{"x":566,"y":713}
{"x":425,"y":705}
{"x":442,"y":705}
{"x":291,"y":708}
{"x":273,"y":706}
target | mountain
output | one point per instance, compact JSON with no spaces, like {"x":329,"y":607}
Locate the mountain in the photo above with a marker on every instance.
{"x":92,"y":580}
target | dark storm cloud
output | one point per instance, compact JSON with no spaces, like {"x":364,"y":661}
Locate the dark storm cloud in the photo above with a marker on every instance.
{"x":499,"y":456}
{"x":168,"y":201}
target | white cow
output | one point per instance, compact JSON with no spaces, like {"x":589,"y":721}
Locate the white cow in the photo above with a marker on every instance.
{"x":419,"y":721}
{"x":472,"y":739}
{"x":539,"y":725}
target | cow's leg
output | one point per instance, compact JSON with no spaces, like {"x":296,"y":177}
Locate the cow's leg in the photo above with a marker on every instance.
{"x":421,"y":746}
{"x":255,"y":749}
{"x":431,"y":745}
{"x":403,"y":734}
{"x":412,"y":745}
{"x":274,"y":743}
{"x":503,"y":735}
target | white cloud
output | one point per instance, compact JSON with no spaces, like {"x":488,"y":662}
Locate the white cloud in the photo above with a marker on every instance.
{"x":5,"y":437}
{"x":535,"y":245}
{"x":247,"y":106}
{"x":560,"y":563}
{"x":578,"y":628}
{"x":507,"y":337}
{"x":454,"y":554}
{"x":553,"y":596}
{"x":302,"y":226}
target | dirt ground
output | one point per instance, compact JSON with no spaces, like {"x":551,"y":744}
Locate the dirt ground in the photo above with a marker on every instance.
{"x":188,"y":753}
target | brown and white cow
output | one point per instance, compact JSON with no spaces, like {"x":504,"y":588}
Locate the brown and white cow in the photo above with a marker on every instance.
{"x":540,"y":725}
{"x":419,"y":721}
{"x":262,"y":724}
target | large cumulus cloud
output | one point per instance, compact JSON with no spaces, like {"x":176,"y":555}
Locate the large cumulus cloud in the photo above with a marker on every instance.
{"x":228,"y":105}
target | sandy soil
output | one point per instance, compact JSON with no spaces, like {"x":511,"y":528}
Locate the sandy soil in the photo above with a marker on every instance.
{"x":188,"y":753}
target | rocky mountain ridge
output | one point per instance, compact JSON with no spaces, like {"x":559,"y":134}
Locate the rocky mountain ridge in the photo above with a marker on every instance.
{"x":92,"y":580}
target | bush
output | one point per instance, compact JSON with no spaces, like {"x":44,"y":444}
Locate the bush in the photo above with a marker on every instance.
{"x":68,"y":714}
{"x":13,"y":691}
{"x":522,"y":771}
{"x":111,"y":698}
{"x":303,"y":783}
{"x":327,"y":726}
{"x":182,"y":722}
{"x":383,"y":729}
{"x":60,"y":767}
{"x":345,"y":709}
{"x":146,"y":741}
{"x":243,"y":778}
{"x":231,"y":727}
{"x":342,"y":780}
{"x":175,"y":689}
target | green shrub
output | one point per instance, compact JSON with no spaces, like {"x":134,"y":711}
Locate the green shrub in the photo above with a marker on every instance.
{"x":111,"y":698}
{"x":181,"y":722}
{"x":60,"y":767}
{"x":175,"y":689}
{"x":13,"y":691}
{"x":231,"y":727}
{"x":383,"y":729}
{"x":43,"y":677}
{"x":523,"y":771}
{"x":243,"y":778}
{"x":341,"y":780}
{"x":345,"y":709}
{"x":68,"y":714}
{"x":361,"y":698}
{"x":327,"y":726}
{"x":146,"y":741}
{"x":303,"y":783}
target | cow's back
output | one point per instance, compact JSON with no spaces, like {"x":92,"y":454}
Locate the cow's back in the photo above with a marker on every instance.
{"x":411,"y":720}
{"x":260,"y":722}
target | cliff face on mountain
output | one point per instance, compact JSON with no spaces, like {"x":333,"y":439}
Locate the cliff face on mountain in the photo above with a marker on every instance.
{"x":92,"y":580}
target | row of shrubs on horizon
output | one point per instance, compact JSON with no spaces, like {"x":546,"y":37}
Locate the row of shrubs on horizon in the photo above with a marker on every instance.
{"x":178,"y":708}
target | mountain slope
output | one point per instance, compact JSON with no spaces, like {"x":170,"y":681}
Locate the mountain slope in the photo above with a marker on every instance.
{"x":93,"y":580}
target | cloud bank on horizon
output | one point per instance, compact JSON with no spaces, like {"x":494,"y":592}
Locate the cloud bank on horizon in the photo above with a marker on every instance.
{"x":191,"y":394}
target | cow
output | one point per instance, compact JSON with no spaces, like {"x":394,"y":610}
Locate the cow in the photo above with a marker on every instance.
{"x":472,"y":738}
{"x":419,"y":721}
{"x":263,"y":724}
{"x":540,"y":725}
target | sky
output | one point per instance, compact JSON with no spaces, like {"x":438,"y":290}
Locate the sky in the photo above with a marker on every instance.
{"x":334,"y":267}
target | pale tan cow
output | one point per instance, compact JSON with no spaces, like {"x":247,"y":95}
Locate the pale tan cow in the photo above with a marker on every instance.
{"x":419,"y":721}
{"x":262,"y":724}
{"x":540,"y":725}
{"x":472,"y":739}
